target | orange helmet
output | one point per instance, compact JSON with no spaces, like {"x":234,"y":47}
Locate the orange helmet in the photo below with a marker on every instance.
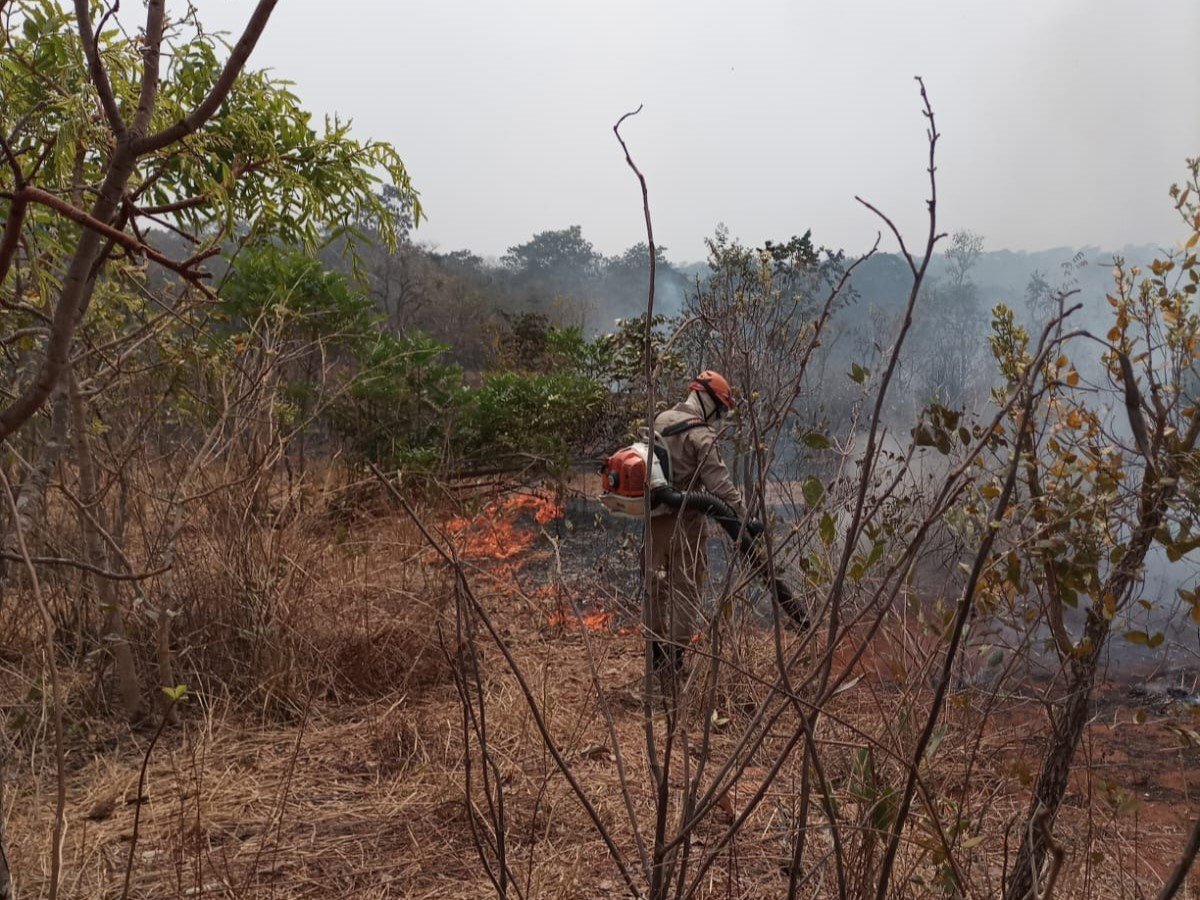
{"x":715,"y":385}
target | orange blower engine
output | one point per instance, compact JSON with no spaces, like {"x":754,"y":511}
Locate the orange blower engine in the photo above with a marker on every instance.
{"x":624,"y":479}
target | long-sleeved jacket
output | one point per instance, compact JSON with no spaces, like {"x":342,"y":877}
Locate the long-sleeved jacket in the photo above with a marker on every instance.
{"x":695,"y":457}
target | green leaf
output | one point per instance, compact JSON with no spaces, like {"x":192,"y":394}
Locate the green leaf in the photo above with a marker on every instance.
{"x":885,"y":809}
{"x":827,"y":530}
{"x":816,"y":441}
{"x":1138,"y":637}
{"x":848,"y":685}
{"x":1069,"y":596}
{"x":177,"y":693}
{"x":862,"y":775}
{"x":935,"y":741}
{"x":859,"y":374}
{"x":813,"y":491}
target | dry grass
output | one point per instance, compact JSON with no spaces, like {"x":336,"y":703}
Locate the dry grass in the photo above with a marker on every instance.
{"x":333,"y":765}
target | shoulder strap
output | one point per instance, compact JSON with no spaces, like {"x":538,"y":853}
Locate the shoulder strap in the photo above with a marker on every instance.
{"x":663,"y":455}
{"x":681,"y":427}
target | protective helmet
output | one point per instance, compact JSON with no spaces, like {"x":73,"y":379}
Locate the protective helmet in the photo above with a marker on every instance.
{"x":715,"y":385}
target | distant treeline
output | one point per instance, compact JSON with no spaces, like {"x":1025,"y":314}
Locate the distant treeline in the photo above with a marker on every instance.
{"x":515,"y":353}
{"x":464,"y":300}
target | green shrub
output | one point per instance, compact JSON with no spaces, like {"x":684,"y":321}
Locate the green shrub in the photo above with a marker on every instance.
{"x":294,"y":294}
{"x":402,"y":402}
{"x":541,"y":415}
{"x":394,"y":399}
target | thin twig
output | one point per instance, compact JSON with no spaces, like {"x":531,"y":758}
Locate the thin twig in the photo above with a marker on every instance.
{"x":660,"y":770}
{"x":184,"y":269}
{"x":141,"y":789}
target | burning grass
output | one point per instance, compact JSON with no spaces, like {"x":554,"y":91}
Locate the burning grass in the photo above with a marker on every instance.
{"x":600,"y":620}
{"x":501,"y":531}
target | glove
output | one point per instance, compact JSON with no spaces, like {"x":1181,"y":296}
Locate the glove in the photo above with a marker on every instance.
{"x":755,"y":529}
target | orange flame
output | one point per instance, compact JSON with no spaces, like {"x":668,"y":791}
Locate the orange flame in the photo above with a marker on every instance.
{"x":497,"y":533}
{"x":601,"y":620}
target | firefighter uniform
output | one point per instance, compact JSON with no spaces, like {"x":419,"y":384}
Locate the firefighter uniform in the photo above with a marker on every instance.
{"x":679,"y":550}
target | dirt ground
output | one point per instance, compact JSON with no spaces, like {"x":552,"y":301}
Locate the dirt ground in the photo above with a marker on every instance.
{"x":358,"y":789}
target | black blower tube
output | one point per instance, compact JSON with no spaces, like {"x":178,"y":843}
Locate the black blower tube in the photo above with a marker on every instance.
{"x":721,"y":513}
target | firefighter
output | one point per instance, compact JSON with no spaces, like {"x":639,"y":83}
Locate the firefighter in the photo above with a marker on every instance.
{"x":679,"y":551}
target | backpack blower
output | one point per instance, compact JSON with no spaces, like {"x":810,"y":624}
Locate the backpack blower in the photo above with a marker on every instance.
{"x":626,"y":478}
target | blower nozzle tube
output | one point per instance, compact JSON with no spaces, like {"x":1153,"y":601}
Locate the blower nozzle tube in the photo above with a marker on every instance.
{"x":721,"y":513}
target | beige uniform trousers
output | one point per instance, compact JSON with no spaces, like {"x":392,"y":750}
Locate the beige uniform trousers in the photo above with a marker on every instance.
{"x":680,"y":569}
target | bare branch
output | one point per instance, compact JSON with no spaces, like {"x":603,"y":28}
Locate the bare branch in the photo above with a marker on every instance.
{"x":894,"y":230}
{"x":148,"y":94}
{"x":11,"y":238}
{"x":195,"y":120}
{"x":869,"y":456}
{"x":1056,"y":862}
{"x":1133,"y":408}
{"x":177,"y":206}
{"x":87,"y":567}
{"x":91,"y":49}
{"x":11,"y":157}
{"x":1172,"y":885}
{"x":137,"y":811}
{"x":115,"y":235}
{"x":660,"y":770}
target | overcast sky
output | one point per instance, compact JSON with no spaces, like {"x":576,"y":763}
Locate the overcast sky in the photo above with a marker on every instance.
{"x":1063,"y":121}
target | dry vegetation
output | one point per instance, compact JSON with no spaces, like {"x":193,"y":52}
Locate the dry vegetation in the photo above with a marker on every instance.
{"x":325,"y":755}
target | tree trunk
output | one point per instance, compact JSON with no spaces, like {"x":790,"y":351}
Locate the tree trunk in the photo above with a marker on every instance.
{"x":1055,"y":773}
{"x":128,"y":688}
{"x":1051,"y":786}
{"x":6,"y":888}
{"x":31,"y":496}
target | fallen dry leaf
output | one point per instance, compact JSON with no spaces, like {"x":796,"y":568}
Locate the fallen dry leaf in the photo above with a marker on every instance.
{"x":725,"y":804}
{"x":596,"y":753}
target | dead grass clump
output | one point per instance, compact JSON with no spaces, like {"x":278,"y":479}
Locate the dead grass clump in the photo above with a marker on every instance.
{"x":399,"y":743}
{"x":359,"y":501}
{"x":391,"y":657}
{"x":284,"y":611}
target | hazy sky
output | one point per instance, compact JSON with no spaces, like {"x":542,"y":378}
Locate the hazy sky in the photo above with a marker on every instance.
{"x":1063,"y":121}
